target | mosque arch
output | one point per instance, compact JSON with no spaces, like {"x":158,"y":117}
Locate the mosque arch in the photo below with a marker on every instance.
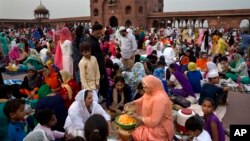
{"x":176,"y":24}
{"x":128,"y":23}
{"x":163,"y":24}
{"x":188,"y":23}
{"x":128,"y":10}
{"x":140,"y":10}
{"x":183,"y":23}
{"x":169,"y":23}
{"x":205,"y":23}
{"x":155,"y":24}
{"x":113,"y":21}
{"x":96,"y":12}
{"x":196,"y":23}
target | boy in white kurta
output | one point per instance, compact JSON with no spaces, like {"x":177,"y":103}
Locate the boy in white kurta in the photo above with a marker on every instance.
{"x":89,"y":70}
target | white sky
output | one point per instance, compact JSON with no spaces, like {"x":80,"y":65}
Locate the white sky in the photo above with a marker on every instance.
{"x":23,"y":9}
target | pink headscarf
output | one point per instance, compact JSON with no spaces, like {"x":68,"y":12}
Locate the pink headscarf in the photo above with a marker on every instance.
{"x":64,"y":34}
{"x":14,"y":53}
{"x":112,"y":48}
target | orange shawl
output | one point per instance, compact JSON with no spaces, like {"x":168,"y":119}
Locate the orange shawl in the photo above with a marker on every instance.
{"x":52,"y":80}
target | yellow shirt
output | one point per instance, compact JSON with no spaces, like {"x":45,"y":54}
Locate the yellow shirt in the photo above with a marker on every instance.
{"x":215,"y":43}
{"x":89,"y":73}
{"x":222,"y":45}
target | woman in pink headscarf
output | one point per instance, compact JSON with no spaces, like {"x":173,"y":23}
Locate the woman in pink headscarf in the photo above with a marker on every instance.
{"x":14,"y":53}
{"x":63,"y":58}
{"x":154,"y":110}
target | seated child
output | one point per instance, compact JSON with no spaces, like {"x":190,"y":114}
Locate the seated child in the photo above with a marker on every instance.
{"x":153,"y":57}
{"x":224,"y":67}
{"x":96,"y":128}
{"x":202,"y":62}
{"x":14,"y":110}
{"x":47,"y":119}
{"x":184,"y":60}
{"x":31,"y":83}
{"x":149,"y":48}
{"x":159,"y":72}
{"x":218,"y":94}
{"x":194,"y":125}
{"x":195,"y":77}
{"x":212,"y":123}
{"x":121,"y":94}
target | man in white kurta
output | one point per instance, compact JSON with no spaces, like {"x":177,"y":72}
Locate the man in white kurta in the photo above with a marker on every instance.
{"x":169,"y":55}
{"x":128,"y":48}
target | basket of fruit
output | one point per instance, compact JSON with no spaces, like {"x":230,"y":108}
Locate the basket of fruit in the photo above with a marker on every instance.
{"x":125,"y":121}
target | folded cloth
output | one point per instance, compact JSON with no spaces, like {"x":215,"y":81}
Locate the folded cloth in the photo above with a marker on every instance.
{"x":181,"y":101}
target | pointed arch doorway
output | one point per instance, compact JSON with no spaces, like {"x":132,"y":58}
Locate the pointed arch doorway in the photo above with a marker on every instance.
{"x":113,"y":21}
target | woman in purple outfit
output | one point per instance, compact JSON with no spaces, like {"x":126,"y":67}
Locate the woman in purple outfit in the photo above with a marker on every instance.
{"x":179,"y":82}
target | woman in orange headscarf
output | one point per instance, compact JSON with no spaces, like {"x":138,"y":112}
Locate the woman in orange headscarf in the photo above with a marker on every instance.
{"x":154,"y":110}
{"x":51,"y":78}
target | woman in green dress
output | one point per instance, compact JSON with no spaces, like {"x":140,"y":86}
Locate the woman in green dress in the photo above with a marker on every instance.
{"x":240,"y":71}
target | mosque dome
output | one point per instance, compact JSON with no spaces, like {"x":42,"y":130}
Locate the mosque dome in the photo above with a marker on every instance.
{"x":41,"y":12}
{"x":41,"y":8}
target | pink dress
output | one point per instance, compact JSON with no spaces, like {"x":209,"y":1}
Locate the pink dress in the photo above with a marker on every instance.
{"x":58,"y":56}
{"x":199,"y":40}
{"x":149,"y":50}
{"x":156,"y":111}
{"x":52,"y":135}
{"x":112,"y":48}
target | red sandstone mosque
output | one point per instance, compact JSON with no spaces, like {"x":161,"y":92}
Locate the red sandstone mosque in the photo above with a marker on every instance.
{"x":137,"y":13}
